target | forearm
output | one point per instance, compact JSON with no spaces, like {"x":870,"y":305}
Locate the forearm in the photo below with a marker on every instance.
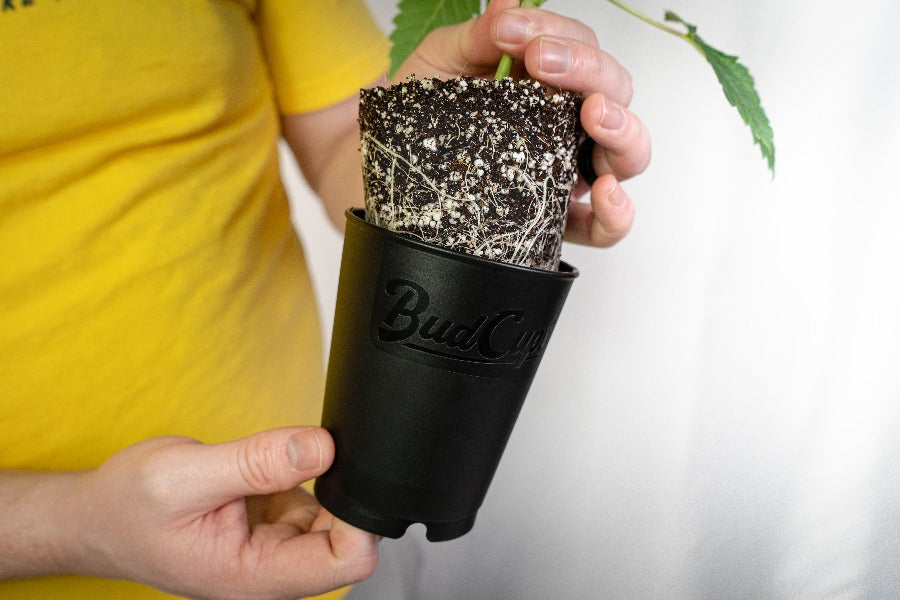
{"x":326,"y":146}
{"x":39,"y":528}
{"x":340,"y":184}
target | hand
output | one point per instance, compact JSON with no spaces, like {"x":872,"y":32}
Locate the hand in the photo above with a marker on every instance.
{"x":562,"y":53}
{"x":220,"y":521}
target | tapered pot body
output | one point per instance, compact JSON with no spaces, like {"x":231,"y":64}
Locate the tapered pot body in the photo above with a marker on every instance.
{"x":432,"y":356}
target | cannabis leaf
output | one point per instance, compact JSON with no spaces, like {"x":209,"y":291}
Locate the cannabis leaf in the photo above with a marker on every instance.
{"x":737,"y":83}
{"x":417,"y":18}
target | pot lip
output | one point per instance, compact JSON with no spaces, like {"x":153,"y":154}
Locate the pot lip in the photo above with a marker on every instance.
{"x":356,"y":216}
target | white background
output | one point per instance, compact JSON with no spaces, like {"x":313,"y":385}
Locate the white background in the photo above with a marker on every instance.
{"x":716,"y":416}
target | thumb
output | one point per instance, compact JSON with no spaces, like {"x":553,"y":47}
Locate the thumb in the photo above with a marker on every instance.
{"x":463,"y":49}
{"x":263,"y":463}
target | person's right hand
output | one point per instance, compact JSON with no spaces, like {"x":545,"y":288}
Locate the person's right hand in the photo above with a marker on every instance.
{"x":563,"y":53}
{"x":173,"y":513}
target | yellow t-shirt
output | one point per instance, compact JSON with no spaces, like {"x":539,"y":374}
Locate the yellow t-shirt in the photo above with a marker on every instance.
{"x":151,"y":282}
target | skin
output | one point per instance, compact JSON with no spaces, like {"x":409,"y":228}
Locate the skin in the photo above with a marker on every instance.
{"x":228,"y":520}
{"x":203,"y":521}
{"x":559,"y":51}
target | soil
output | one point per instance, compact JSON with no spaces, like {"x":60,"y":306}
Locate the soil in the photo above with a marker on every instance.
{"x":478,"y":166}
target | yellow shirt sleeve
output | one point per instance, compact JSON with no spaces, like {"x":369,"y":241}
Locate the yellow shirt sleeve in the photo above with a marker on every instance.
{"x":324,"y":56}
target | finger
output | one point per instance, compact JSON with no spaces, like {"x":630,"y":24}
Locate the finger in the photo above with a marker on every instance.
{"x":257,"y":508}
{"x":324,"y":521}
{"x":622,"y":140}
{"x":605,"y":220}
{"x":264,"y":463}
{"x":331,"y":559}
{"x":349,"y":542}
{"x":463,"y":49}
{"x":297,"y":507}
{"x":561,"y":52}
{"x":578,"y":67}
{"x":513,"y":29}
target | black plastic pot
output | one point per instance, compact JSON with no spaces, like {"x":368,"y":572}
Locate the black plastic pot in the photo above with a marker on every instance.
{"x":432,"y":355}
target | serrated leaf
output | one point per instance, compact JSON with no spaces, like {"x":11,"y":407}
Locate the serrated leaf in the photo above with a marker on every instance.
{"x":673,"y":18}
{"x":739,"y":89}
{"x":417,"y":18}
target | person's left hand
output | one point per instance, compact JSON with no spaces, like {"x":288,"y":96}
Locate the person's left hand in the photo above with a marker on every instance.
{"x":562,"y":53}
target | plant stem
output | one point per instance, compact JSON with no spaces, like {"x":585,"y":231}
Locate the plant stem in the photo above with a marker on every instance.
{"x":506,"y":61}
{"x":646,"y":19}
{"x":504,"y":68}
{"x":654,"y":23}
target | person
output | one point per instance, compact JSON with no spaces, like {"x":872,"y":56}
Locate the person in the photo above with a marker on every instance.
{"x":159,"y":343}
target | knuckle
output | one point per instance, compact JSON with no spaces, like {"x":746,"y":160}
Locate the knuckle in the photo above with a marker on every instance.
{"x":257,"y":464}
{"x":608,"y":76}
{"x":629,"y":154}
{"x":609,"y":230}
{"x":640,"y":152}
{"x":604,"y":237}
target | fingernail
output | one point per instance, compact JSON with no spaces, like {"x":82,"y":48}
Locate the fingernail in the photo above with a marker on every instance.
{"x":513,"y":28}
{"x":613,"y":116}
{"x":617,"y":195}
{"x":304,"y":451}
{"x":555,"y":57}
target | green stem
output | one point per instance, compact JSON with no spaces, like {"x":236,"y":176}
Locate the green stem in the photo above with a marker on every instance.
{"x":506,"y":61}
{"x":654,"y":23}
{"x":646,"y":19}
{"x":504,"y":68}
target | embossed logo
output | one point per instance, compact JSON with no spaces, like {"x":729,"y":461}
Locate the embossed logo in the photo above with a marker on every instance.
{"x":405,"y":318}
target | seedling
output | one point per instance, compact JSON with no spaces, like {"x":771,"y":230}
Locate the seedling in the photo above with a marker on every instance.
{"x":417,"y":18}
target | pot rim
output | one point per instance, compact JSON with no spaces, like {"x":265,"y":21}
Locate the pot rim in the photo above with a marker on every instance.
{"x":357,"y":216}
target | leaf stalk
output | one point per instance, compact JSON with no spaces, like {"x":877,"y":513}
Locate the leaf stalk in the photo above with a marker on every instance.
{"x":649,"y":20}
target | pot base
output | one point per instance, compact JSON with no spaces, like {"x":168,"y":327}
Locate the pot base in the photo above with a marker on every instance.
{"x":364,"y":518}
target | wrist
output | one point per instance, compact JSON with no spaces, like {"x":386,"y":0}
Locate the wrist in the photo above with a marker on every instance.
{"x":40,"y":532}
